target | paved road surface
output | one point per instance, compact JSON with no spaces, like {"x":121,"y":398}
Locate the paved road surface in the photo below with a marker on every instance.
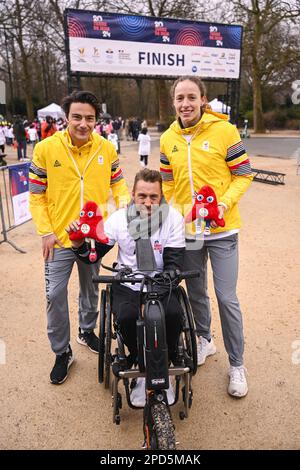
{"x":280,"y":147}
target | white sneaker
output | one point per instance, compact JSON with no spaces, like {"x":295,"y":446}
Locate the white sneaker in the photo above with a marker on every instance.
{"x":237,"y":382}
{"x":138,"y":395}
{"x":205,"y":348}
{"x":170,"y":394}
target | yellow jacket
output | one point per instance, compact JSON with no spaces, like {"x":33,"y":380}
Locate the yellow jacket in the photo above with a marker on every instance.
{"x":215,"y":156}
{"x":62,"y":177}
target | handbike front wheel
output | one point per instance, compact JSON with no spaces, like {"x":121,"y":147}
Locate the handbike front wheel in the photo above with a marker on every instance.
{"x":161,"y":433}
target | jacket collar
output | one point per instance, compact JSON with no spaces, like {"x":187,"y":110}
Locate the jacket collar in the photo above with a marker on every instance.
{"x":208,"y":117}
{"x":66,"y":136}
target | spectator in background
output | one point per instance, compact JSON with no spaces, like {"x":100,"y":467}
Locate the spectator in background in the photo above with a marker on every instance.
{"x":126,"y":128}
{"x":98,"y":128}
{"x":60,"y":124}
{"x":116,"y":125}
{"x":2,"y":139}
{"x":2,"y":146}
{"x":107,"y":128}
{"x":113,"y":138}
{"x":135,"y":129}
{"x":144,"y":146}
{"x":38,"y":127}
{"x":48,"y":127}
{"x":33,"y":135}
{"x":20,"y":136}
{"x":10,"y":135}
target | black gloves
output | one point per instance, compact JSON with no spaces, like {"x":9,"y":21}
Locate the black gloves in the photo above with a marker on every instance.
{"x":167,"y":280}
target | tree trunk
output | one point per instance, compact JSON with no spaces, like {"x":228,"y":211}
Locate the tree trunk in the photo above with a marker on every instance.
{"x":45,"y":78}
{"x":10,"y":78}
{"x":139,"y":83}
{"x":27,"y":86}
{"x":163,"y":103}
{"x":15,"y":71}
{"x":27,"y":77}
{"x":258,"y":119}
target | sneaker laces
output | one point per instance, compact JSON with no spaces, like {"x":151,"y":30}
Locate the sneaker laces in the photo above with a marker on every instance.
{"x":137,"y":395}
{"x":202,"y":344}
{"x":88,"y":336}
{"x":237,"y":374}
{"x":61,"y":358}
{"x":170,"y":394}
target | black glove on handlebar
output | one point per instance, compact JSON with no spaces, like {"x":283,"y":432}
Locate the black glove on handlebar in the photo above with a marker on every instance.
{"x":171,"y":275}
{"x":167,"y":280}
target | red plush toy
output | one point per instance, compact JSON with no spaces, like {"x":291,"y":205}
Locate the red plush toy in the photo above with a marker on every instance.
{"x":91,"y":227}
{"x":205,"y":207}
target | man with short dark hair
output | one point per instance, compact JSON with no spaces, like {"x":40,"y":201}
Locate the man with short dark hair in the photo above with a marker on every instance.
{"x":67,"y":170}
{"x":150,"y":238}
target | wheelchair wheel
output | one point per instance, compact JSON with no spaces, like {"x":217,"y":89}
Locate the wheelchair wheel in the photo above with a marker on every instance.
{"x":108,"y":334}
{"x":162,"y":434}
{"x":189,"y":329}
{"x":102,"y":336}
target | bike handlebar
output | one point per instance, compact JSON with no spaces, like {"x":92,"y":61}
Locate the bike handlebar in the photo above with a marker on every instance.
{"x":180,"y":276}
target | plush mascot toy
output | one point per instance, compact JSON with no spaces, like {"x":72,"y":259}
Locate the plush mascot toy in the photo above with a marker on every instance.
{"x":91,"y":227}
{"x":205,"y":207}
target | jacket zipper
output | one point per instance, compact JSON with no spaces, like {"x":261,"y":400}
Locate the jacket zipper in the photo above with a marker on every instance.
{"x":191,"y":177}
{"x":196,"y":225}
{"x":81,"y":176}
{"x":190,"y":170}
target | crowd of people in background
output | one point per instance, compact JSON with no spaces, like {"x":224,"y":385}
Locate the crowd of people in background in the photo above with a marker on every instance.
{"x":23,"y":132}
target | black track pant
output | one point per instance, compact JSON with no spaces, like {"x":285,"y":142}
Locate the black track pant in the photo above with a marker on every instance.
{"x":125,"y":306}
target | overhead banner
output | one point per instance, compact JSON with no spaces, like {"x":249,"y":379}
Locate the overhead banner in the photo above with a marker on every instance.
{"x":109,"y":43}
{"x":19,"y":189}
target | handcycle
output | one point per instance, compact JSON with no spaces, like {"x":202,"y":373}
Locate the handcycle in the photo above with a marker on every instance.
{"x":153,"y":361}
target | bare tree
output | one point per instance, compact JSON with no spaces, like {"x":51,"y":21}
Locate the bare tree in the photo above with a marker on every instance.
{"x":262,"y":18}
{"x":34,"y":64}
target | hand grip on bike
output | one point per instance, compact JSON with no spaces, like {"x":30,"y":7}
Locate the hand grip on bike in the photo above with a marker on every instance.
{"x":189,"y":274}
{"x":134,"y":279}
{"x":116,"y":279}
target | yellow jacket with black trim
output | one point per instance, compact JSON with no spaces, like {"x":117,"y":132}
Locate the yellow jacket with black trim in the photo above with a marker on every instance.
{"x":62,"y":177}
{"x":214,"y":156}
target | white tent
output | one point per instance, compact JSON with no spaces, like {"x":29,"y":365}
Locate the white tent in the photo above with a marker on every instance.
{"x":219,"y":107}
{"x":53,"y":110}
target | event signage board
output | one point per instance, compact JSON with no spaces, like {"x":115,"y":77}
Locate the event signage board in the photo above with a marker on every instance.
{"x":19,"y":188}
{"x":128,"y":45}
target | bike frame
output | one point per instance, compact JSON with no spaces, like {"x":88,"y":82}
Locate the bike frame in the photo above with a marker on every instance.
{"x":152,"y":352}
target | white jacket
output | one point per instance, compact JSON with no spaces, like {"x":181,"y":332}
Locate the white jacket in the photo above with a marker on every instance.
{"x":144,"y":147}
